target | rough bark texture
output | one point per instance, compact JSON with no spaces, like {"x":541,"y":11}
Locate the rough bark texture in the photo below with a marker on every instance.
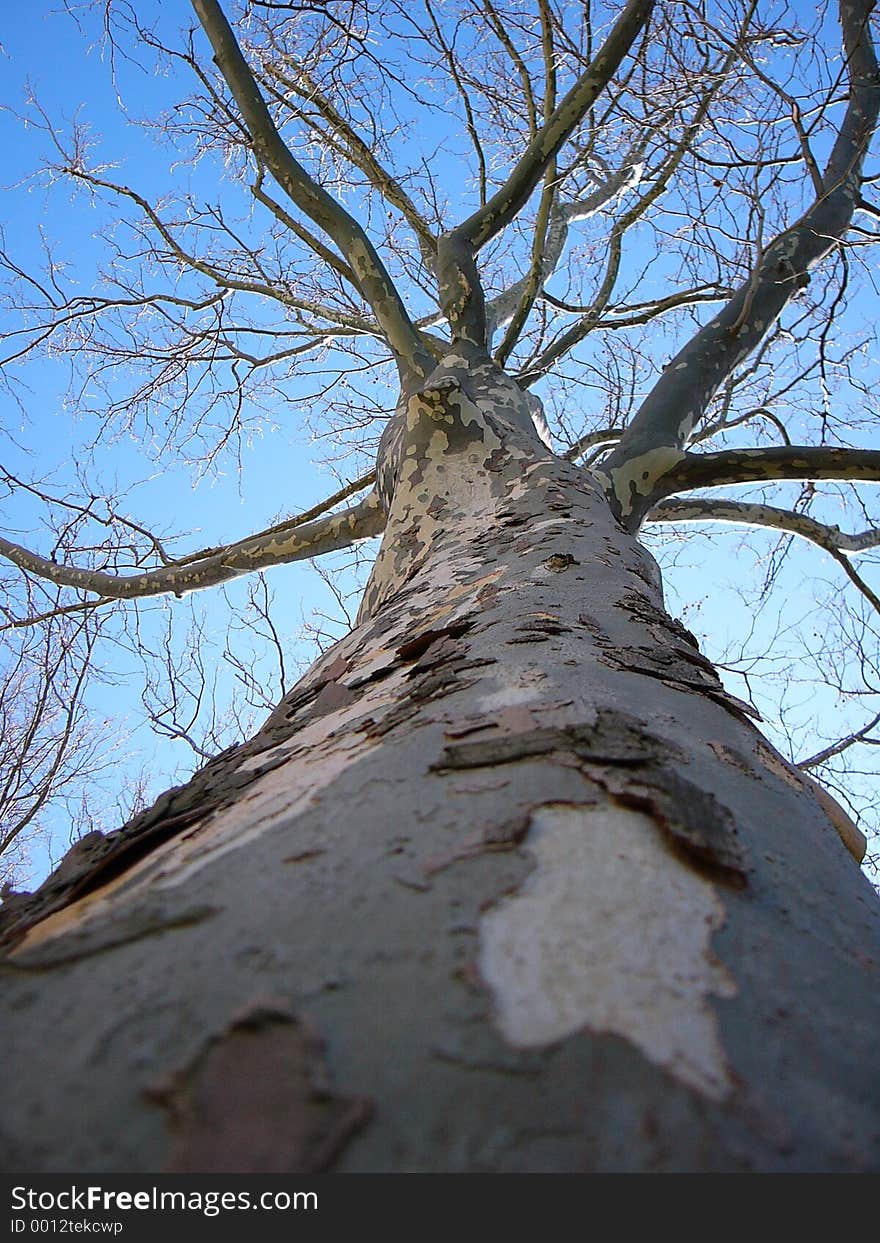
{"x":508,"y":882}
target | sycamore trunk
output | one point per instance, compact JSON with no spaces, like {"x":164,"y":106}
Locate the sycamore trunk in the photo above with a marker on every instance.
{"x":507,"y":883}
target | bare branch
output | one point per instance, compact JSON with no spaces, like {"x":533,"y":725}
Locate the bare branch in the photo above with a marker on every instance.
{"x":361,"y":155}
{"x":461,"y":292}
{"x":294,"y":543}
{"x":297,"y":520}
{"x":593,"y":440}
{"x":828,"y":753}
{"x":628,"y":175}
{"x":834,"y":541}
{"x":655,"y":439}
{"x":501,"y":308}
{"x":753,"y":513}
{"x":374,"y":282}
{"x":504,"y":38}
{"x":496,"y":214}
{"x":706,"y":470}
{"x":225,"y":280}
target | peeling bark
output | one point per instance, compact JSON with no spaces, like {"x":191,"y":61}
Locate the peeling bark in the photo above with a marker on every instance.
{"x":520,"y":878}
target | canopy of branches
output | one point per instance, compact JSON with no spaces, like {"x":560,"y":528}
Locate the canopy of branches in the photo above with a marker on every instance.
{"x":269,"y":218}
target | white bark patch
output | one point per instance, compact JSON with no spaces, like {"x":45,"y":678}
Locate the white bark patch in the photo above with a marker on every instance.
{"x":520,"y":694}
{"x":612,"y":933}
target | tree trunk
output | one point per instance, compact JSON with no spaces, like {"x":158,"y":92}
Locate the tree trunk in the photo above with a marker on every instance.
{"x":507,"y":883}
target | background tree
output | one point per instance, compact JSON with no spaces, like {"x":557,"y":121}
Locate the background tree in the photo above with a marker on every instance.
{"x":515,"y":804}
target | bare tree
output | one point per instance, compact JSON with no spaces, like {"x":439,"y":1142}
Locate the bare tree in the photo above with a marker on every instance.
{"x":47,"y":744}
{"x":510,"y":846}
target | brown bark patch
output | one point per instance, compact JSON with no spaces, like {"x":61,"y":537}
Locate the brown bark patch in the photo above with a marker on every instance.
{"x":696,"y":824}
{"x":332,"y":696}
{"x":614,"y":738}
{"x":337,"y":667}
{"x":851,"y":836}
{"x":256,"y":1099}
{"x":777,"y":765}
{"x":560,"y":561}
{"x":416,"y":647}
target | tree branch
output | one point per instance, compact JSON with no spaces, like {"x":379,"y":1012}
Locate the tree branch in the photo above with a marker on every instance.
{"x":629,"y":174}
{"x":461,"y":293}
{"x":655,"y":439}
{"x":830,"y":538}
{"x":226,"y":281}
{"x":828,"y":753}
{"x":497,"y":213}
{"x":501,"y":308}
{"x":592,"y":440}
{"x":347,"y":139}
{"x":707,"y":470}
{"x":413,"y":360}
{"x":278,"y":546}
{"x":752,"y":513}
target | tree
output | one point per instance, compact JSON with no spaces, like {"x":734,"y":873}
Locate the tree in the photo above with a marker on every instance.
{"x":508,"y":880}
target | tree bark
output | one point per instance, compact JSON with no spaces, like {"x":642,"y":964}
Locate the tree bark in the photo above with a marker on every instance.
{"x":507,"y":883}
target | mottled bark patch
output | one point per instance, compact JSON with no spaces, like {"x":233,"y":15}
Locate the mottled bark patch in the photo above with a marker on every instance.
{"x":634,"y":960}
{"x":257,"y":1099}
